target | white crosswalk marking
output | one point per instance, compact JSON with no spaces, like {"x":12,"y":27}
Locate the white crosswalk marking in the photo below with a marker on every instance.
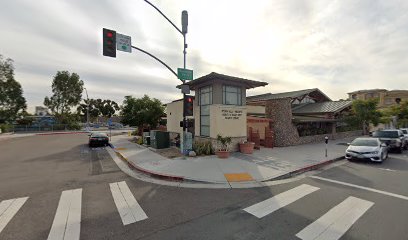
{"x":333,"y":224}
{"x":67,"y":220}
{"x":128,"y":208}
{"x":272,"y":204}
{"x":8,"y":208}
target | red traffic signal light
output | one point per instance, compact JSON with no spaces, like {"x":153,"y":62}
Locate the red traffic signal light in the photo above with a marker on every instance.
{"x":188,"y":105}
{"x":109,"y":43}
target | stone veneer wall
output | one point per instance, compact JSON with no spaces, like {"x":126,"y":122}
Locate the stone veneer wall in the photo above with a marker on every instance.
{"x":320,"y":138}
{"x":233,"y":147}
{"x":280,"y":111}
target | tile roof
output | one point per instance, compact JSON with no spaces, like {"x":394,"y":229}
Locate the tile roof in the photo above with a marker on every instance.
{"x":293,"y":94}
{"x":321,"y":107}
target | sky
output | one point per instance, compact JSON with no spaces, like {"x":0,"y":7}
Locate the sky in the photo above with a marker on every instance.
{"x":336,"y":46}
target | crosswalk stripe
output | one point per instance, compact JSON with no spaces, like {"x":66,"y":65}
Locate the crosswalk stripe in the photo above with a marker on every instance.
{"x":333,"y":224}
{"x":67,"y":220}
{"x":128,"y":208}
{"x":272,"y":204}
{"x":8,"y":208}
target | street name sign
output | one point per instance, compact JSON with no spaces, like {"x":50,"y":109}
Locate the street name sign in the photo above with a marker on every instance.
{"x":123,"y":43}
{"x":184,"y":74}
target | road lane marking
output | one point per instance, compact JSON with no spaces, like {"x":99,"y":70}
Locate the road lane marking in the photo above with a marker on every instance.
{"x":9,"y":208}
{"x":67,"y":220}
{"x":387,"y":169}
{"x":128,"y":208}
{"x":333,"y":224}
{"x":362,"y":187}
{"x":272,"y":204}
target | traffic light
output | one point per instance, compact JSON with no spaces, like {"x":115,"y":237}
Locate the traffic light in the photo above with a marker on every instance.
{"x":188,"y":105}
{"x":109,"y":43}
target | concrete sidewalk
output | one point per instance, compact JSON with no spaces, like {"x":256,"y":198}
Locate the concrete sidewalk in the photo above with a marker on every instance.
{"x":265,"y":164}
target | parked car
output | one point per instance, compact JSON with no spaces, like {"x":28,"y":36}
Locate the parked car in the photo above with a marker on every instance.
{"x":371,"y":149}
{"x":98,"y":139}
{"x":394,"y":138}
{"x":405,"y":132}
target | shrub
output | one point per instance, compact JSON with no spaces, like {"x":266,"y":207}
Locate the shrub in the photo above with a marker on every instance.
{"x":203,"y":148}
{"x":74,"y":126}
{"x":6,"y":128}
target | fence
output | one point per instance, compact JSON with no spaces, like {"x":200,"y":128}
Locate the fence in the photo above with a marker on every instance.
{"x":40,"y":128}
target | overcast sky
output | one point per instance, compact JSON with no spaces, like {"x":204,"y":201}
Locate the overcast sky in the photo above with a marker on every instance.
{"x":336,"y":46}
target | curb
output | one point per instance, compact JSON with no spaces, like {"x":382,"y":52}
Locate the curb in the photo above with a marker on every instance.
{"x":56,"y":133}
{"x":151,"y":173}
{"x":307,"y":168}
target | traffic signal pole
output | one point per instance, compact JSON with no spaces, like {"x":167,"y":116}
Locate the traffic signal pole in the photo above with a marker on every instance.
{"x":184,"y":23}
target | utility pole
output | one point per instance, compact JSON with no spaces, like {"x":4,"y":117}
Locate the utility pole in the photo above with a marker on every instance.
{"x":87,"y":109}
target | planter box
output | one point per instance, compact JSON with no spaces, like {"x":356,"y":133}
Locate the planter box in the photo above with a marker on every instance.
{"x":222,"y":154}
{"x":247,"y":148}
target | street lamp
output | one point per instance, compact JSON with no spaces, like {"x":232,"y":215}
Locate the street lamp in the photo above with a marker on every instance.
{"x":183,"y":31}
{"x":87,"y":109}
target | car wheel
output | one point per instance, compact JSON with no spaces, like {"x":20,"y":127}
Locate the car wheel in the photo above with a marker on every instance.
{"x":399,"y":150}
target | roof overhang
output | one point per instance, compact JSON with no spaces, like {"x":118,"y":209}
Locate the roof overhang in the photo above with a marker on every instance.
{"x":213,"y":77}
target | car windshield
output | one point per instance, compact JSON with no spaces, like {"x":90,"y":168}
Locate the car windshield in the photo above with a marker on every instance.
{"x":404,"y":131}
{"x":386,"y":134}
{"x":364,"y":142}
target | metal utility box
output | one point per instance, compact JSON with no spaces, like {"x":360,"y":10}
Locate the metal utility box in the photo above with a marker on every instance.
{"x":146,"y":138}
{"x":159,"y":139}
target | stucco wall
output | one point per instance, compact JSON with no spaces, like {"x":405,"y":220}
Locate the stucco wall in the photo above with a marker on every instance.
{"x":174,"y":112}
{"x":251,"y":109}
{"x":228,"y":121}
{"x":280,"y":112}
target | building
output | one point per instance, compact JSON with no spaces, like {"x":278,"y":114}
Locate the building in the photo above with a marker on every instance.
{"x":219,"y":108}
{"x":302,"y":116}
{"x":386,"y":98}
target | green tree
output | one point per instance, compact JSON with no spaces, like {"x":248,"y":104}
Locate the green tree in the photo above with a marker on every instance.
{"x":400,"y":111}
{"x":98,"y":107}
{"x":365,"y":112}
{"x":67,"y":93}
{"x":142,"y":111}
{"x":12,"y":101}
{"x":108,"y":108}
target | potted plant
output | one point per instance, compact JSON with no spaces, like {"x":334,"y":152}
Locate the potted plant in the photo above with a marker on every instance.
{"x":246,"y":147}
{"x":223,"y":142}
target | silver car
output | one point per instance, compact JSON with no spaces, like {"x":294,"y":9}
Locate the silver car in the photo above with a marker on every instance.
{"x":367,"y":149}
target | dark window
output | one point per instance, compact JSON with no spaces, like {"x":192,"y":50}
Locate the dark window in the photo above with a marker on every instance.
{"x":205,"y":100}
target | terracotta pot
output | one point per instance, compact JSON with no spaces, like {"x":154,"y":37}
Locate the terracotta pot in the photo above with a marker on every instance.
{"x":222,"y":154}
{"x":247,"y":148}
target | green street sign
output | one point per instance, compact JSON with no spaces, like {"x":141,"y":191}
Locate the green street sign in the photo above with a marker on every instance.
{"x":184,"y":74}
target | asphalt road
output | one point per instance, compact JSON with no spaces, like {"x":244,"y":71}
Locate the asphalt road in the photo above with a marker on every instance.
{"x":42,"y":167}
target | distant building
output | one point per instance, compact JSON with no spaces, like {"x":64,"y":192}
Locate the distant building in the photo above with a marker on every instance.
{"x":386,"y":98}
{"x":41,"y":111}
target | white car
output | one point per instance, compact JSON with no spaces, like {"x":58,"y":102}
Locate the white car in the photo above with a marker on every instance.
{"x":367,"y":149}
{"x":405,"y":132}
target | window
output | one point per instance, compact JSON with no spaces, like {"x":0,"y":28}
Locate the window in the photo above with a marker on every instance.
{"x":231,"y":95}
{"x":205,"y":100}
{"x":205,"y":96}
{"x":388,"y":101}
